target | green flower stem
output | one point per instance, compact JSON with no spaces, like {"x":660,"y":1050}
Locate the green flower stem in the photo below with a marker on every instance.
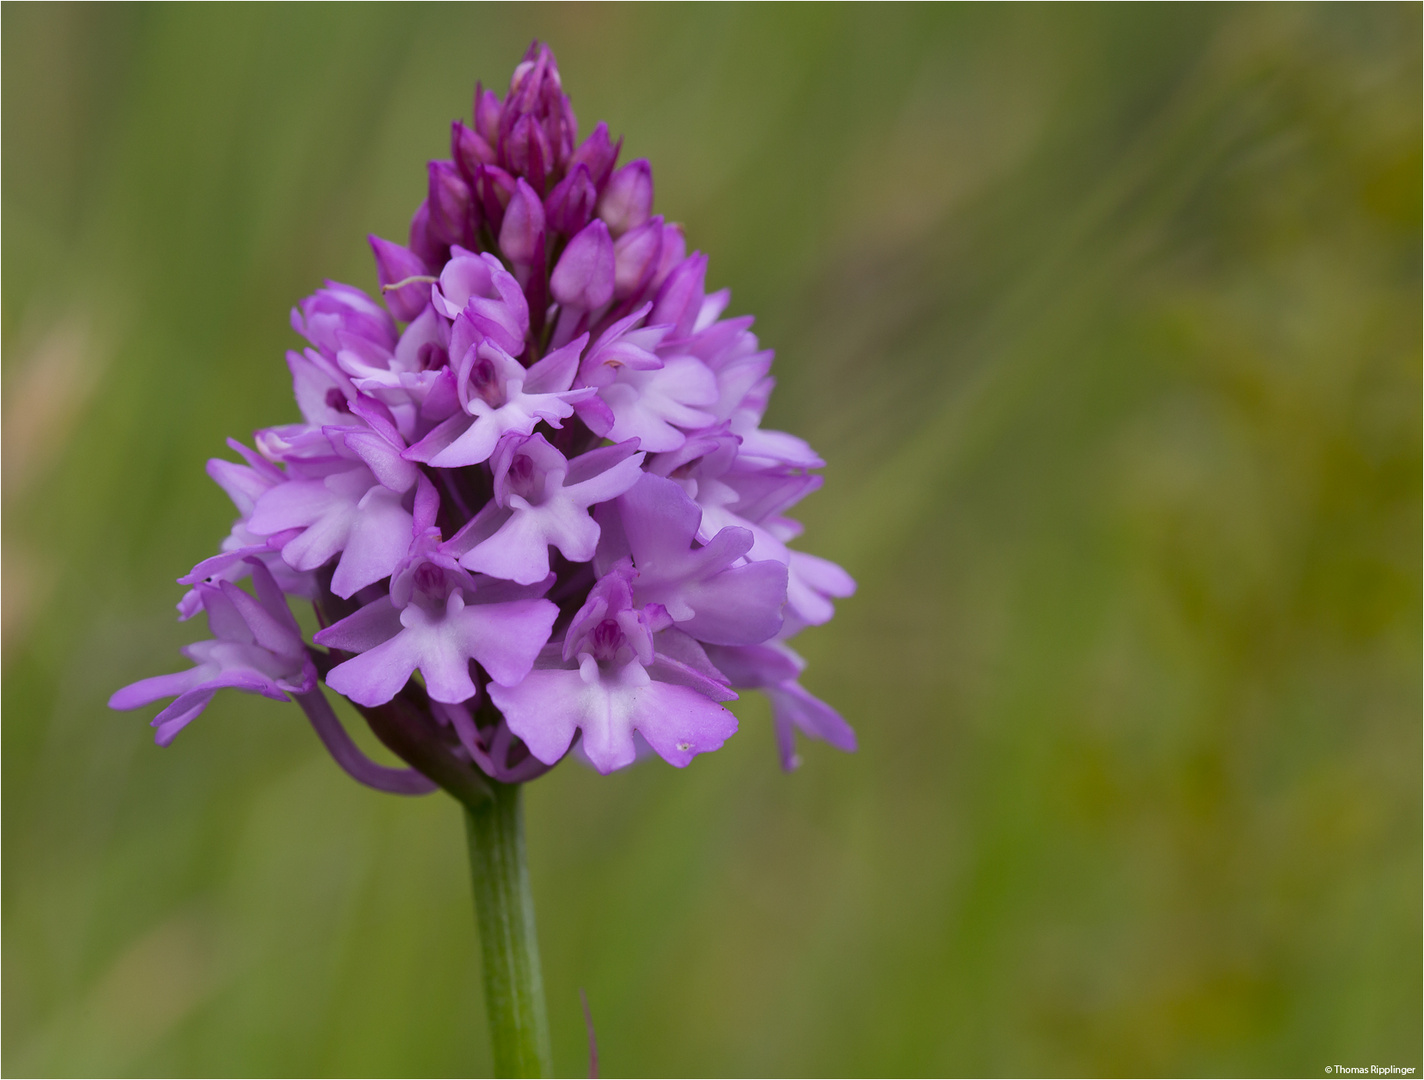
{"x":504,"y":908}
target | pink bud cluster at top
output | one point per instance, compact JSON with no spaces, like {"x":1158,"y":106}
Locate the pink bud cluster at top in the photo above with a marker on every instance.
{"x":530,"y":497}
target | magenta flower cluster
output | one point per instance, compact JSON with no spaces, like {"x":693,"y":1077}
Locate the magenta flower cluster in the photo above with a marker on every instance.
{"x":530,"y":497}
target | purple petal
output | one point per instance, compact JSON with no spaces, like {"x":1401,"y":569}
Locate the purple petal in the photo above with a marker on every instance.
{"x":274,"y":631}
{"x":151,"y":689}
{"x":545,"y":709}
{"x":813,"y":581}
{"x":364,"y":629}
{"x":517,"y":551}
{"x":752,"y":667}
{"x":506,"y":638}
{"x":383,"y":459}
{"x":378,"y":540}
{"x":243,"y":485}
{"x":469,"y":150}
{"x":792,"y":706}
{"x":587,"y":466}
{"x":555,"y":373}
{"x":449,"y":201}
{"x":680,"y":723}
{"x":597,"y":153}
{"x":439,"y":438}
{"x":322,"y":390}
{"x":377,"y":675}
{"x":571,"y":203}
{"x":608,"y":707}
{"x":635,"y":257}
{"x":616,"y":477}
{"x":658,"y":406}
{"x":477,"y":442}
{"x":659,"y":519}
{"x":178,"y":715}
{"x":740,"y":606}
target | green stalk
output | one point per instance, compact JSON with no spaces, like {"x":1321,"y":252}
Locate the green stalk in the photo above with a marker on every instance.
{"x":504,"y":909}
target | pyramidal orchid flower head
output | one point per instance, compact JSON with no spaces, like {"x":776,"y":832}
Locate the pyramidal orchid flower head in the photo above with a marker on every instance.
{"x":529,"y":495}
{"x":542,"y":500}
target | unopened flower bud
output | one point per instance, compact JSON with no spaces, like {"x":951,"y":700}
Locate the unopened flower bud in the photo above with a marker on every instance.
{"x":521,"y":236}
{"x":468,"y":151}
{"x":674,"y":250}
{"x":635,"y":258}
{"x":394,"y":264}
{"x":487,"y":114}
{"x":584,"y":277}
{"x":525,"y":151}
{"x":598,"y":154}
{"x":570,"y":204}
{"x":628,"y":199}
{"x":493,"y":189}
{"x":449,"y":203}
{"x":430,"y":250}
{"x":537,"y":127}
{"x":680,"y":298}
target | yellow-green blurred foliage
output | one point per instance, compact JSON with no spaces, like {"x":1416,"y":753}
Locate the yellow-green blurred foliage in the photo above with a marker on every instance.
{"x":1107,"y":322}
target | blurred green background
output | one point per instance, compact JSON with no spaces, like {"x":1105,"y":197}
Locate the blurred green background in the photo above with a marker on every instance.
{"x":1107,"y":322}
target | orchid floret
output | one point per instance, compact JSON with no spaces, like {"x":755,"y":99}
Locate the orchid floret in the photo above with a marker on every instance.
{"x":256,"y":647}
